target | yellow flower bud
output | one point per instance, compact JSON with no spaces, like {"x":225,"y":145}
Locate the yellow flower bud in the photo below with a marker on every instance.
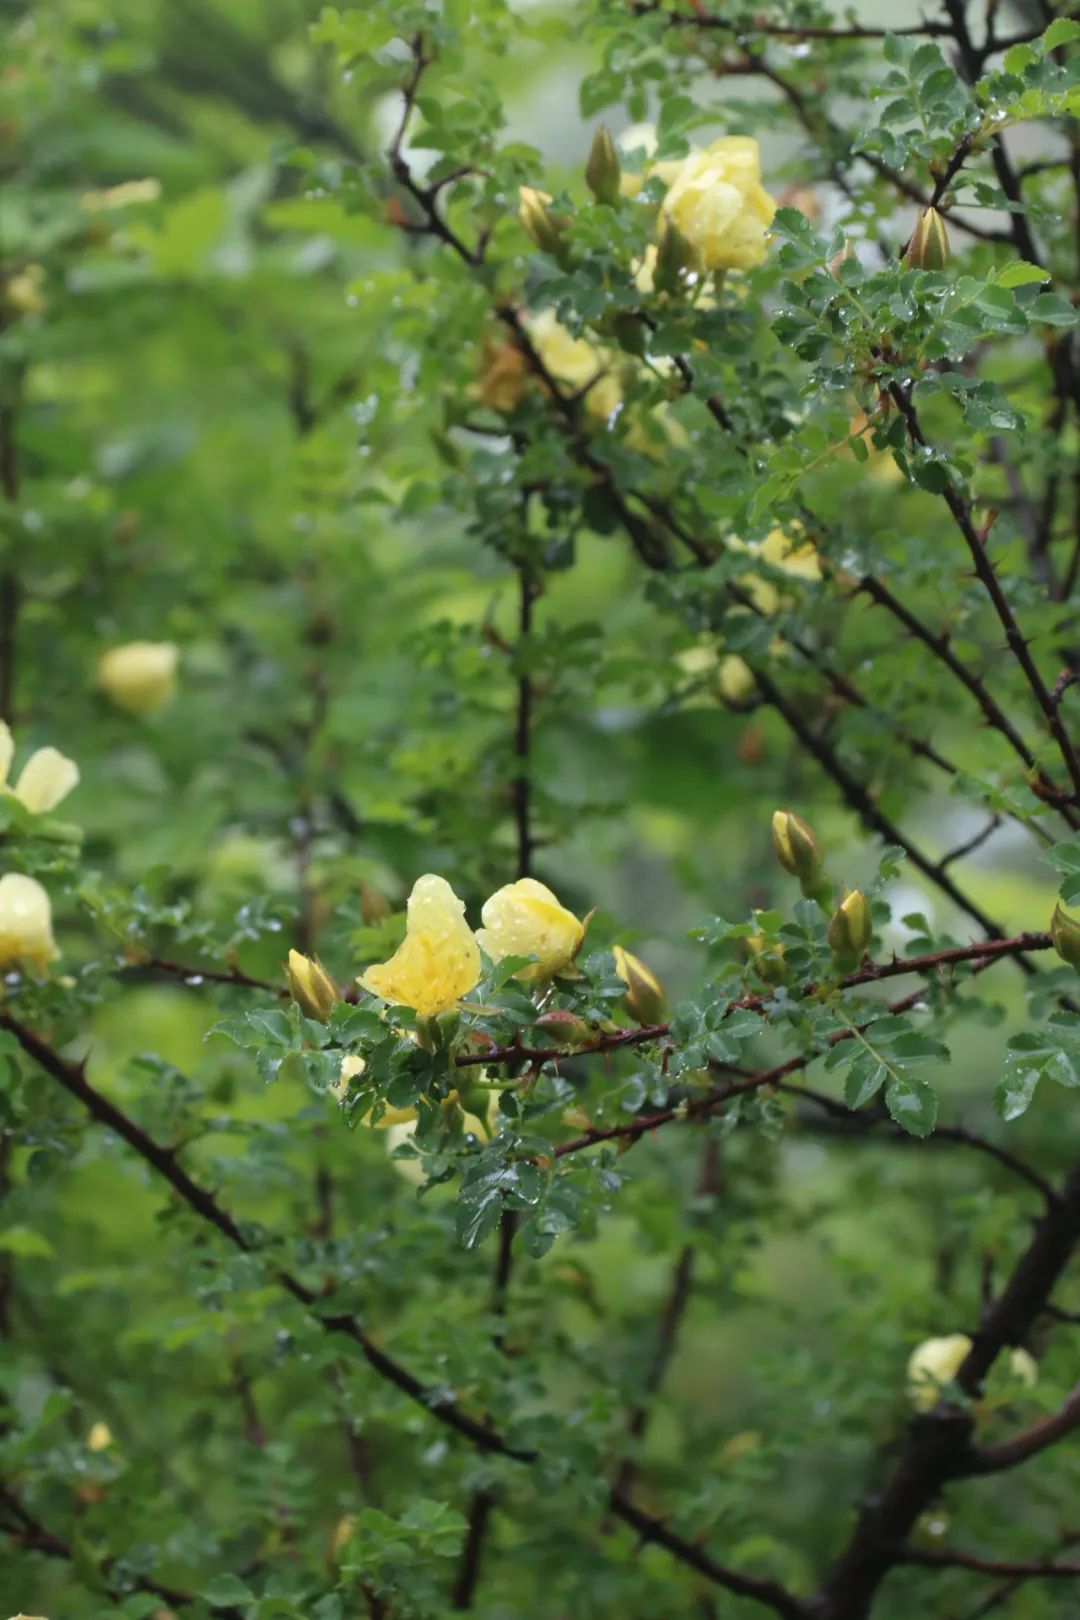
{"x":26,"y":935}
{"x":45,"y":779}
{"x":796,"y":848}
{"x":645,"y":998}
{"x":140,"y":676}
{"x":768,"y":960}
{"x":100,"y":1437}
{"x":526,"y":919}
{"x":603,"y":171}
{"x":850,"y":930}
{"x":565,"y":1029}
{"x":1065,"y":933}
{"x":438,"y":961}
{"x":928,"y":248}
{"x":538,"y":222}
{"x":374,"y":907}
{"x":674,"y":256}
{"x":311,"y":987}
{"x":22,"y":292}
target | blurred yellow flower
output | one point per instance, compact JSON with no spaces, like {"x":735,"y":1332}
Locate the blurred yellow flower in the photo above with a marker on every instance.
{"x":526,"y":919}
{"x":936,"y":1362}
{"x":438,"y":961}
{"x":100,"y":1437}
{"x":879,"y":464}
{"x":23,"y":291}
{"x":140,"y":676}
{"x":46,"y":778}
{"x":26,"y":935}
{"x":577,"y":363}
{"x":716,"y":201}
{"x":796,"y":557}
{"x":127,"y":193}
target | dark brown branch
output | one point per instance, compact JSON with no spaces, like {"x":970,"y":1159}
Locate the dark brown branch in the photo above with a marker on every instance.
{"x":938,"y":1444}
{"x":858,"y":797}
{"x":481,"y":1434}
{"x":1047,"y":1432}
{"x":856,"y":1121}
{"x":1013,"y":1569}
{"x":987,"y":575}
{"x":29,"y":1533}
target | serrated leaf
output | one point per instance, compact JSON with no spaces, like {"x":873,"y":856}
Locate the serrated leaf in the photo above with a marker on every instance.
{"x":227,"y":1589}
{"x":1062,"y":31}
{"x":1019,"y":274}
{"x":913,"y":1105}
{"x":864,"y":1080}
{"x":1013,"y":1093}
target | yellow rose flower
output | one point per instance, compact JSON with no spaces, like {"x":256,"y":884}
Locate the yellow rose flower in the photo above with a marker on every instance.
{"x":577,"y":363}
{"x":438,"y":961}
{"x":140,"y":676}
{"x":717,"y":202}
{"x":526,"y":919}
{"x":26,"y":935}
{"x":100,"y":1437}
{"x":46,"y":778}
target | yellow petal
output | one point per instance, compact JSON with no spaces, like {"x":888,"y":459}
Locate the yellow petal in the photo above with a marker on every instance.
{"x":47,"y":777}
{"x":438,"y":961}
{"x":526,"y":919}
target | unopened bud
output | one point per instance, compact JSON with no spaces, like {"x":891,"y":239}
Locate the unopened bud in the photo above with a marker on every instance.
{"x":538,"y":222}
{"x":928,"y":248}
{"x":768,"y":960}
{"x":644,"y":999}
{"x":603,"y":171}
{"x":850,"y":930}
{"x":673,"y":256}
{"x":311,"y":987}
{"x":565,"y":1029}
{"x":374,"y":907}
{"x":1065,"y":933}
{"x":451,"y":1114}
{"x":797,"y":850}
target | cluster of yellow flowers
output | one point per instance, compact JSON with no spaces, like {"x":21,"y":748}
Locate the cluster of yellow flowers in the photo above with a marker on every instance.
{"x":727,"y":674}
{"x":714,"y":217}
{"x":438,"y":961}
{"x":26,"y":936}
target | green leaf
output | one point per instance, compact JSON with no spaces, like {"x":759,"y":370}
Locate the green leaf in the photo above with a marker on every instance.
{"x":1019,"y":274}
{"x":913,"y":1105}
{"x":1013,"y":1093}
{"x":864,"y":1080}
{"x":1062,"y":31}
{"x":224,"y":1589}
